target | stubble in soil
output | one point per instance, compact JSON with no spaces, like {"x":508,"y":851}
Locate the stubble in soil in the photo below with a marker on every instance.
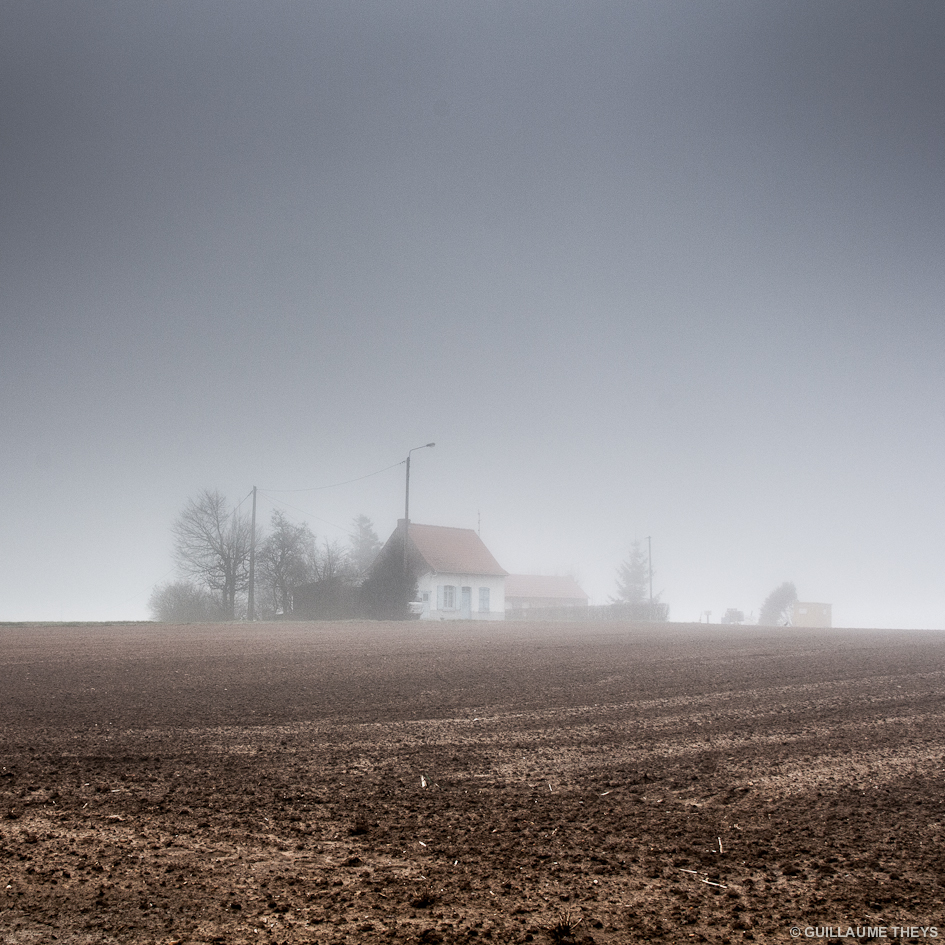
{"x":510,"y":782}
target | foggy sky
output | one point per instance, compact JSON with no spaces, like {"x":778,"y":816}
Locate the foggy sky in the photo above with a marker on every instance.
{"x":665,"y":269}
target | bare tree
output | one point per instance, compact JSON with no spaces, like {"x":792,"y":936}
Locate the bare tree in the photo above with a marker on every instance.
{"x":183,"y":602}
{"x":286,"y":559}
{"x":332,"y":594}
{"x":211,"y":546}
{"x":333,"y":564}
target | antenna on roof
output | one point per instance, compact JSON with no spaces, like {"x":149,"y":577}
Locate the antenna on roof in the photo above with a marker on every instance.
{"x":479,"y":524}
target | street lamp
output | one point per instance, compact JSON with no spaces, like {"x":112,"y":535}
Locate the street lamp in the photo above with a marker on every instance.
{"x":407,"y":508}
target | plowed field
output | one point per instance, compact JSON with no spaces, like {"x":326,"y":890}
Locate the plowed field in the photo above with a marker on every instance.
{"x":425,"y":783}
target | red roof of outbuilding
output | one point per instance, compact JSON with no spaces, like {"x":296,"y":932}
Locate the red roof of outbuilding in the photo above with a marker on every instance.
{"x":543,"y":586}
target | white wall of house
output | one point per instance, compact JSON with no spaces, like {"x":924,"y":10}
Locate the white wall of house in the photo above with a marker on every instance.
{"x":444,"y":599}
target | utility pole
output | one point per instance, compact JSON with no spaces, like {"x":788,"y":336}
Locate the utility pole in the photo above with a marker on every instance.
{"x":407,"y":512}
{"x":406,"y":516}
{"x":649,"y":561}
{"x":251,"y":603}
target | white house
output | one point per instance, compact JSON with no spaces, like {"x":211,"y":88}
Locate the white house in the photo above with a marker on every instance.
{"x":457,"y":577}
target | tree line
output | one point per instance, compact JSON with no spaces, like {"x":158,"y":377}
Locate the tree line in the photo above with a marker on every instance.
{"x":213,"y":541}
{"x":212,"y":544}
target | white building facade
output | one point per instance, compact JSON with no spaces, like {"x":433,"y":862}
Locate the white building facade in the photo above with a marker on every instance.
{"x":448,"y":596}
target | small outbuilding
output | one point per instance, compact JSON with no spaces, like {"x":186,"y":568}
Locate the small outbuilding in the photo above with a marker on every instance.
{"x":805,"y":614}
{"x":524,"y":592}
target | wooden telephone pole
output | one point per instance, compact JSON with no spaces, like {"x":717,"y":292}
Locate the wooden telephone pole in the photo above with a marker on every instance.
{"x":251,"y":602}
{"x":649,"y":564}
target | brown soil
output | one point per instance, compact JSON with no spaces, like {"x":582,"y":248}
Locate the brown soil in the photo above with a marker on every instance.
{"x":353,"y":782}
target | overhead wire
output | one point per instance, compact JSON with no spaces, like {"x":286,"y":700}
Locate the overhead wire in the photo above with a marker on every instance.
{"x":268,"y":493}
{"x":241,"y":501}
{"x":295,"y":508}
{"x":335,"y":485}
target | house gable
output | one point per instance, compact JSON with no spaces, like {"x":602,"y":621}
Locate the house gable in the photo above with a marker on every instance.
{"x":452,"y":550}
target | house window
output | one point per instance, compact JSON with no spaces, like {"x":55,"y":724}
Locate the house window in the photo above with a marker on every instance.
{"x":484,"y":600}
{"x":449,"y":597}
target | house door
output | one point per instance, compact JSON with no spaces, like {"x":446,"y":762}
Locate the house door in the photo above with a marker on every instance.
{"x":465,"y":610}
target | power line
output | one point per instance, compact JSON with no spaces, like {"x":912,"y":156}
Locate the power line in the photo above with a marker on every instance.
{"x":295,"y":508}
{"x":335,"y":485}
{"x":241,"y":501}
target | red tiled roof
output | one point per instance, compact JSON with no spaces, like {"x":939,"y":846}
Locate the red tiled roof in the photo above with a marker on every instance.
{"x":543,"y":586}
{"x":453,"y":550}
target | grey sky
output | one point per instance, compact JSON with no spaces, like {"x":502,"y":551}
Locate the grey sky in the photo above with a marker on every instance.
{"x":666,"y":269}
